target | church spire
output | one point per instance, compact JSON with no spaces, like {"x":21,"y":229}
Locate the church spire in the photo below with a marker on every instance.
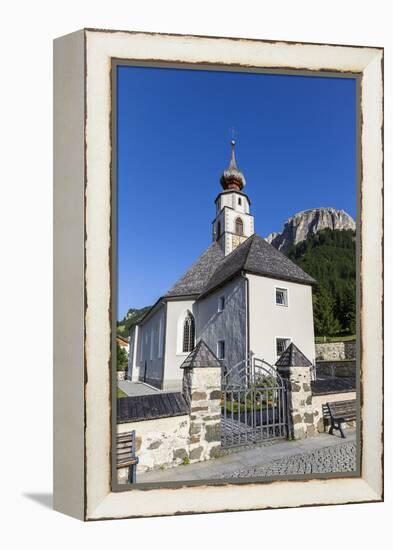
{"x":233,"y":178}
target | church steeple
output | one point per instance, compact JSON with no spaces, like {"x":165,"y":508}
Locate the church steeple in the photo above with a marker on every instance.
{"x":233,"y":223}
{"x":233,"y":178}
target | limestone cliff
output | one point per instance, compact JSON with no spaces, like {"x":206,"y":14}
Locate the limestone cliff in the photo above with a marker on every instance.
{"x":298,"y":227}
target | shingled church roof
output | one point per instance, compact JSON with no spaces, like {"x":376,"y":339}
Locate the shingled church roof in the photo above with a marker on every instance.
{"x":199,"y":274}
{"x":213,"y":268}
{"x":257,"y":256}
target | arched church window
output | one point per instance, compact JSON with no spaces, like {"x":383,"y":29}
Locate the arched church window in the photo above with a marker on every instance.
{"x":239,"y":226}
{"x":188,"y":333}
{"x":218,"y":230}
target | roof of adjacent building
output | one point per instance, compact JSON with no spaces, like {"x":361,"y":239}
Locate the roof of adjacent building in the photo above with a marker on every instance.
{"x":201,"y":357}
{"x":199,"y":274}
{"x":149,"y":407}
{"x":293,"y":357}
{"x":333,"y":385}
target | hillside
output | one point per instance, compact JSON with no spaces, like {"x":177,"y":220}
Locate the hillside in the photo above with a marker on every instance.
{"x":309,"y":222}
{"x":132,"y":318}
{"x":330,"y":257}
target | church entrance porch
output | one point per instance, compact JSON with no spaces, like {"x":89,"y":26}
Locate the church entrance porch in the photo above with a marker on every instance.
{"x":254,"y":406}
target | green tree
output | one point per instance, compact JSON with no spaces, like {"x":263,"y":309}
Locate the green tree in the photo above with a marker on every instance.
{"x":348,"y":309}
{"x":326,"y":324}
{"x":330,"y":257}
{"x":122,"y":358}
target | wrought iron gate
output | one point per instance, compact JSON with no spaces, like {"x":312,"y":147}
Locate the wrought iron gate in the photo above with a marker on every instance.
{"x":254,"y":404}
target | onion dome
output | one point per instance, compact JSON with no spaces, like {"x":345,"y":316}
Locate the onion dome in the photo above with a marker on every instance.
{"x":232,"y":178}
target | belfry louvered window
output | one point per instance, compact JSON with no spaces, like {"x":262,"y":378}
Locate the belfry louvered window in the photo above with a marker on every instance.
{"x":218,"y":230}
{"x":188,"y":333}
{"x":239,"y":226}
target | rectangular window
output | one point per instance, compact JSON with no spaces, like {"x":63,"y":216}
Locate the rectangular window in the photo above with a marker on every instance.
{"x":221,"y":303}
{"x":281,"y":297}
{"x":151,"y":344}
{"x":161,"y":338}
{"x":221,"y":349}
{"x":281,"y":345}
{"x":156,"y":342}
{"x":145,"y":353}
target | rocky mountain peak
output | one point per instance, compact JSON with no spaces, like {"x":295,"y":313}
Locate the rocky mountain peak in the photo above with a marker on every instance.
{"x":301,"y":225}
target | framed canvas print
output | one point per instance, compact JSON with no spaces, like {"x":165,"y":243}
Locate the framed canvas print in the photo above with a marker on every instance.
{"x":218,"y":274}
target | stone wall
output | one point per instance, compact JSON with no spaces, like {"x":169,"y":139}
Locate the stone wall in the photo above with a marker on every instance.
{"x":301,"y":412}
{"x":160,"y":443}
{"x":166,"y":442}
{"x":321,"y":419}
{"x":202,"y":389}
{"x":335,"y":351}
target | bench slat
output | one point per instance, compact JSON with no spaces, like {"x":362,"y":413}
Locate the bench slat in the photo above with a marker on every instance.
{"x":125,"y":451}
{"x":340,"y":412}
{"x":125,"y":445}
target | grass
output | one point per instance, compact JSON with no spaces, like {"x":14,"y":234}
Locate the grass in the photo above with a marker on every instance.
{"x":120,"y":393}
{"x":234,"y":406}
{"x":342,"y":338}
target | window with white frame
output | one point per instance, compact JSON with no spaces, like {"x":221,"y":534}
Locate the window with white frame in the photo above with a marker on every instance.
{"x":151,"y":344}
{"x":156,"y":341}
{"x":161,"y":338}
{"x":281,"y":345}
{"x":281,"y":296}
{"x":218,"y":234}
{"x":239,"y":226}
{"x":146,"y":346}
{"x":221,"y":303}
{"x":221,"y":349}
{"x":188,"y":333}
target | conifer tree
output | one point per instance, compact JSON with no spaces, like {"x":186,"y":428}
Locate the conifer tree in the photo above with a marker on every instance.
{"x":122,"y":359}
{"x":348,"y":309}
{"x":325,"y":321}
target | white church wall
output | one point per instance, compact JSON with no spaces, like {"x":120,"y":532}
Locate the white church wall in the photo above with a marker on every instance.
{"x":150,"y":359}
{"x":229,"y":325}
{"x":232,"y":201}
{"x":174,"y":356}
{"x":243,"y":207}
{"x":248,"y":222}
{"x":269,"y":321}
{"x":133,"y":368}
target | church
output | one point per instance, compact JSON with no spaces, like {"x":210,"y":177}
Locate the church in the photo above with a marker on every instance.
{"x":242,"y":296}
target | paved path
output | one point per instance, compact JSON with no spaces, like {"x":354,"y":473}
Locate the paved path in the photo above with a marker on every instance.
{"x":338,"y":458}
{"x":135,"y":388}
{"x":324,"y":453}
{"x":140,"y":388}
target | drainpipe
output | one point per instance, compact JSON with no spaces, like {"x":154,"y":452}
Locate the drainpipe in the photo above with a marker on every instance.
{"x":247,"y":283}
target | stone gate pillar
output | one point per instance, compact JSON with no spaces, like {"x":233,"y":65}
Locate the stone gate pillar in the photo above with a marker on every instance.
{"x":202,"y":390}
{"x":295,"y":368}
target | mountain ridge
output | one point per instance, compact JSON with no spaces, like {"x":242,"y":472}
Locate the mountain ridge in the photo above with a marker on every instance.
{"x":309,"y":222}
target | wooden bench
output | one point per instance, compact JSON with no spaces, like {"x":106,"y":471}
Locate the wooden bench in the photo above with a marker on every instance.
{"x":341,"y":411}
{"x":126,"y":454}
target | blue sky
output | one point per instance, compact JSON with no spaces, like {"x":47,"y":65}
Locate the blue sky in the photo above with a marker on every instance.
{"x":296,"y":145}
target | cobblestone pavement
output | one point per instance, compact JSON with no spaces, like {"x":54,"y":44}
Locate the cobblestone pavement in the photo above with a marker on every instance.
{"x":340,"y":458}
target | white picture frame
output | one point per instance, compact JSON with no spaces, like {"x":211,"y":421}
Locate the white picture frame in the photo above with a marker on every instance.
{"x":82,"y":245}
